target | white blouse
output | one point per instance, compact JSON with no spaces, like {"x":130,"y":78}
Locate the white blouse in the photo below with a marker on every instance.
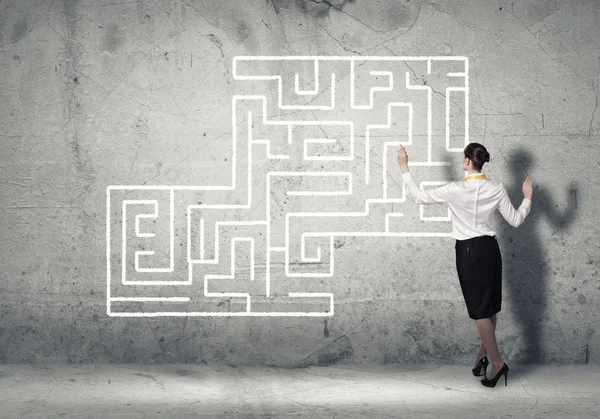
{"x":472,"y":203}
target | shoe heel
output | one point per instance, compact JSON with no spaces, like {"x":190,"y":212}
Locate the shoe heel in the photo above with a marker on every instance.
{"x":482,"y":364}
{"x":505,"y":379}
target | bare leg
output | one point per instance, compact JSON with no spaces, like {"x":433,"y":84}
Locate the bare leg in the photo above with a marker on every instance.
{"x":488,"y":336}
{"x":482,"y":350}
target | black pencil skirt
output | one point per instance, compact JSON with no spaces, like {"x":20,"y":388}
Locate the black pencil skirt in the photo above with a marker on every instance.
{"x":479,"y":266}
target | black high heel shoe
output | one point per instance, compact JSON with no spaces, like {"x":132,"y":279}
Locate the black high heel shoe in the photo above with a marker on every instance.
{"x":483,"y":363}
{"x":492,"y":381}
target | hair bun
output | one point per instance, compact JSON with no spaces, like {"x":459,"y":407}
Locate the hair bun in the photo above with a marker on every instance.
{"x":482,"y":155}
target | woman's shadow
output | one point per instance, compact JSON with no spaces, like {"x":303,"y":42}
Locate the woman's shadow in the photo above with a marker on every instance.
{"x":525,"y":267}
{"x":525,"y":260}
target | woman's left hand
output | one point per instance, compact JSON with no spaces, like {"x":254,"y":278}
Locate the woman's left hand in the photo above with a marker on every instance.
{"x":403,"y":159}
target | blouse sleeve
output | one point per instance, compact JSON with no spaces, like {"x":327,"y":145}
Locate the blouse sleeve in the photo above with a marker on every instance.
{"x":515,"y":217}
{"x":426,"y":196}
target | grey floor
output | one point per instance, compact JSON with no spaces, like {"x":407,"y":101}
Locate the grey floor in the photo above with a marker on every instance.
{"x":342,"y":391}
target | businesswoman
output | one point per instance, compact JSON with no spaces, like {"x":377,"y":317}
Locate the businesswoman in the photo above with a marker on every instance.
{"x":472,"y":203}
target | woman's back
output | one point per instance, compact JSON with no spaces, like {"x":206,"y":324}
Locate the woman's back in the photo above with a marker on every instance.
{"x":472,"y":204}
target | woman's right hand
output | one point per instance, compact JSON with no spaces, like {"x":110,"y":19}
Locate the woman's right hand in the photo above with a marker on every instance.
{"x":528,"y":188}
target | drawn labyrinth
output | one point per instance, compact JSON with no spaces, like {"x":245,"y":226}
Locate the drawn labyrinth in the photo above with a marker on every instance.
{"x":313,"y":160}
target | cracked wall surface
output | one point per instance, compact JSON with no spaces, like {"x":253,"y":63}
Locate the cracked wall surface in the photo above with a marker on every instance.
{"x":109,"y":92}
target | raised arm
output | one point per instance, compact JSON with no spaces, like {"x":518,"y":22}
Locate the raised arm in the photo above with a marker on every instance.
{"x":418,"y":196}
{"x":515,"y":217}
{"x":426,"y":196}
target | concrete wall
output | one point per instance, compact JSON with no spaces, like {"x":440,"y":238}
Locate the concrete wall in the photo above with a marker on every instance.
{"x":111,"y":92}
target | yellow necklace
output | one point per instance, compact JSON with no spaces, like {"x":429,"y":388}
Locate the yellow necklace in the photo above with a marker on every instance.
{"x":478,"y":176}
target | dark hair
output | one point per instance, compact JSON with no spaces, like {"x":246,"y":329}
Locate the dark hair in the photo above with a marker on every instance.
{"x":478,"y":154}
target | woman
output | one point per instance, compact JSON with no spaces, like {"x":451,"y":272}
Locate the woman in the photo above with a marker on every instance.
{"x":478,"y":261}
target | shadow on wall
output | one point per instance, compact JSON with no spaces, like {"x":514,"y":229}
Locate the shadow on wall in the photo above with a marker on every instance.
{"x":525,"y":264}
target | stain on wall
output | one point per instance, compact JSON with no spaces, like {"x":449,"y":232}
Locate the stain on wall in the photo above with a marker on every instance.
{"x":19,"y":30}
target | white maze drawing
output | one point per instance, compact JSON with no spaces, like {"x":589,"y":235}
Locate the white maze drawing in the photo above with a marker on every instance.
{"x":314,"y":159}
